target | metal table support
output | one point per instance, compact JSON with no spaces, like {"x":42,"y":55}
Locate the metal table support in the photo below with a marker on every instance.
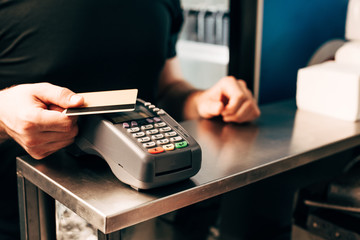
{"x":37,"y":211}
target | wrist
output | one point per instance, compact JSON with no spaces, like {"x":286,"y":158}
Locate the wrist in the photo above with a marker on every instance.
{"x":190,"y":110}
{"x":3,"y":135}
{"x":3,"y":138}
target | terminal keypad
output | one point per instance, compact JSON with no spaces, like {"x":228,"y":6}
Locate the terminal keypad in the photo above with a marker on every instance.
{"x":155,"y":135}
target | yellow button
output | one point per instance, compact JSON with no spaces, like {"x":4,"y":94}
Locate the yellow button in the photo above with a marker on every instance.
{"x":169,"y":147}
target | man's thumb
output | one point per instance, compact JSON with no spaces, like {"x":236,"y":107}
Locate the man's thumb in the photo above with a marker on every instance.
{"x":59,"y":96}
{"x":76,"y":100}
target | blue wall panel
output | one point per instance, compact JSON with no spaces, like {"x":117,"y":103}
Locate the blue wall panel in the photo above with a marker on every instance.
{"x":292,"y":31}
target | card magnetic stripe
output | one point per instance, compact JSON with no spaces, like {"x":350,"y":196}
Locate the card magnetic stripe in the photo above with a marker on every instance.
{"x":100,"y":108}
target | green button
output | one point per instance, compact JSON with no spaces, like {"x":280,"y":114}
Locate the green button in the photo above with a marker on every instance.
{"x":181,"y":144}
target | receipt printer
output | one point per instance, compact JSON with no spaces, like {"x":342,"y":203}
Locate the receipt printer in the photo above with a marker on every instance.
{"x":333,"y":88}
{"x":144,"y":148}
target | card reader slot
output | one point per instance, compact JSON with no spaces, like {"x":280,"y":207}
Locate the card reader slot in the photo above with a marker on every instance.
{"x":172,"y":171}
{"x":171,"y":162}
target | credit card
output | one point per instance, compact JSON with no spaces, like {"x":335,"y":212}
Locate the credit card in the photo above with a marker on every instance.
{"x":105,"y":102}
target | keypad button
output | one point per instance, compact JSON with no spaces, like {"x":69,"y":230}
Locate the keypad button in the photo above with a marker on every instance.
{"x":170,"y":134}
{"x":160,"y":124}
{"x":147,"y":104}
{"x":157,"y":136}
{"x":151,"y":106}
{"x":133,"y":130}
{"x":165,"y":129}
{"x":176,"y":139}
{"x":138,"y":134}
{"x":169,"y":147}
{"x":149,"y":144}
{"x":126,"y":125}
{"x":163,"y":141}
{"x":181,"y":144}
{"x":149,"y":120}
{"x":156,"y":109}
{"x":152,"y":132}
{"x":144,"y":139}
{"x":147,"y":127}
{"x":134,"y":124}
{"x":157,"y":119}
{"x":160,"y":112}
{"x":156,"y":150}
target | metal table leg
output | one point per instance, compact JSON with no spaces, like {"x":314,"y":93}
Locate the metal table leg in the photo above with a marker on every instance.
{"x":37,"y":212}
{"x":109,"y":236}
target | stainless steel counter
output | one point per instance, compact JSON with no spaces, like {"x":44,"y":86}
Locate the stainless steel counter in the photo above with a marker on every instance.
{"x":283,"y":138}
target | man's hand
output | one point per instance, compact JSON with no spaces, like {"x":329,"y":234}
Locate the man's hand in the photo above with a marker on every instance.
{"x":32,"y":115}
{"x":229,"y":98}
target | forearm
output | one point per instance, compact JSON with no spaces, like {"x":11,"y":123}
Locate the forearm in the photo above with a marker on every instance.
{"x":178,"y":99}
{"x":175,"y":94}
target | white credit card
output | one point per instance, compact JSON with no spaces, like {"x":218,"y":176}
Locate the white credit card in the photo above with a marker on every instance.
{"x":105,"y":102}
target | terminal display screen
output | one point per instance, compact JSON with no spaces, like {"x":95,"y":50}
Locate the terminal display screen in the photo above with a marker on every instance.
{"x":139,"y":113}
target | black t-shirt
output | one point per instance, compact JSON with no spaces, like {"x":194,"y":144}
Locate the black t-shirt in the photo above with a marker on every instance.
{"x":87,"y":45}
{"x":84,"y":45}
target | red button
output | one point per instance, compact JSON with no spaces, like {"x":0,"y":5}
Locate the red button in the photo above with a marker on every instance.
{"x":156,"y":150}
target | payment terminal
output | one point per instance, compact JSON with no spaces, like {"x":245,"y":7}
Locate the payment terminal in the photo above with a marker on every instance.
{"x":144,"y":148}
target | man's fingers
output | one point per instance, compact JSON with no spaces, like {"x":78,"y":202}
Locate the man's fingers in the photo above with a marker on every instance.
{"x":239,"y":105}
{"x":229,"y":98}
{"x":247,"y":112}
{"x":236,"y":93}
{"x":55,"y":95}
{"x":50,"y":137}
{"x":49,"y":120}
{"x":210,"y":108}
{"x":49,"y":148}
